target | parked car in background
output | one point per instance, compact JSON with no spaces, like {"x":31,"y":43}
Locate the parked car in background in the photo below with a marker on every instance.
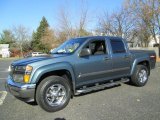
{"x":38,"y":54}
{"x":27,"y":55}
{"x":34,"y":54}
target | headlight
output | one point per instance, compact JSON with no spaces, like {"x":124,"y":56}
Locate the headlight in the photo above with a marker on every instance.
{"x":22,"y":74}
{"x":18,"y":78}
{"x":17,"y":73}
{"x":27,"y":74}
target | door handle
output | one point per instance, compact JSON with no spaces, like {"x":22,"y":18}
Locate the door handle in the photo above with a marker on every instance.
{"x":107,"y":58}
{"x":126,"y":56}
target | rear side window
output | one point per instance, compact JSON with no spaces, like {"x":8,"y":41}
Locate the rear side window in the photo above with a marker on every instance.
{"x":117,"y":46}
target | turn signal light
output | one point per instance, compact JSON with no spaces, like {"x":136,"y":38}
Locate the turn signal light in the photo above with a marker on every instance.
{"x":26,"y":78}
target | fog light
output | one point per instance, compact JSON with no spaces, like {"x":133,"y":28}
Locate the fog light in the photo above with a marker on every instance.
{"x":26,"y":78}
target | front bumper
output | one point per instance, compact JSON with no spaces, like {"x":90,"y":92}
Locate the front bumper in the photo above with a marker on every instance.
{"x":25,"y":92}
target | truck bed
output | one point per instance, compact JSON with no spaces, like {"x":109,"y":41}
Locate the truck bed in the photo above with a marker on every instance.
{"x":150,"y":53}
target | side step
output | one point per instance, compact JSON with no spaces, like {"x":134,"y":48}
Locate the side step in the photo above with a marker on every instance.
{"x":101,"y":86}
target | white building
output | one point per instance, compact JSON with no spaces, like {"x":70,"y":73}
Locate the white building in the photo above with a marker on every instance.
{"x":152,"y":41}
{"x":4,"y":50}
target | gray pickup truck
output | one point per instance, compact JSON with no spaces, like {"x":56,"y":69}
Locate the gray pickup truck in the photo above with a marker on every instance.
{"x":79,"y":65}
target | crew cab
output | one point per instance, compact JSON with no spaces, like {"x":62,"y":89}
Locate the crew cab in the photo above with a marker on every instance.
{"x":79,"y":65}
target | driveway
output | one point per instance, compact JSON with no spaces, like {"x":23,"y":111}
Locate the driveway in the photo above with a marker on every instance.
{"x":124,"y":102}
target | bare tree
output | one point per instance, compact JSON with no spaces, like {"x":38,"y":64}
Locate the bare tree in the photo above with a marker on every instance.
{"x":65,"y":23}
{"x":83,"y":20}
{"x":147,"y":17}
{"x":118,"y":23}
{"x":48,"y":40}
{"x":71,"y":28}
{"x":156,"y":6}
{"x":22,"y":37}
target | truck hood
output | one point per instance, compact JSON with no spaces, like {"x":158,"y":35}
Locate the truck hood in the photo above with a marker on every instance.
{"x":26,"y":61}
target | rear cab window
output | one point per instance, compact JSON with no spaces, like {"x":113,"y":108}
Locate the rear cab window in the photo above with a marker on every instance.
{"x":117,"y":46}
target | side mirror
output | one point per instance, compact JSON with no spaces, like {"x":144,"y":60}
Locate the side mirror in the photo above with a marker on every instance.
{"x":85,"y":52}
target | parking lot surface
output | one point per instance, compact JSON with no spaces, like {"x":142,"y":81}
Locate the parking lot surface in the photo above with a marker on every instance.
{"x":124,"y":102}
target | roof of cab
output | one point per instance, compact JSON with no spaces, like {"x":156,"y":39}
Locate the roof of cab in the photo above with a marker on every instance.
{"x":100,"y":37}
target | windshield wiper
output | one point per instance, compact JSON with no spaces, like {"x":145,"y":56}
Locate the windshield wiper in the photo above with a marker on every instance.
{"x":58,"y":53}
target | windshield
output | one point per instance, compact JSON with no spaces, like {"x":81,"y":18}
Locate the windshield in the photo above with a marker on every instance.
{"x":70,"y":46}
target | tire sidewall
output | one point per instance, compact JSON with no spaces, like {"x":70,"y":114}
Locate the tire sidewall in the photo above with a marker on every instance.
{"x":138,"y":69}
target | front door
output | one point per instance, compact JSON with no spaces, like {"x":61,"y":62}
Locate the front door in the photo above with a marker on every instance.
{"x":96,"y":67}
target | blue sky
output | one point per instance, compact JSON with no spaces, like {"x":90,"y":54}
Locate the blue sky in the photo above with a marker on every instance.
{"x":29,"y":12}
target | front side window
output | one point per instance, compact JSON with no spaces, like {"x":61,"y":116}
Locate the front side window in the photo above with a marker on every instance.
{"x":97,"y":47}
{"x":117,"y":46}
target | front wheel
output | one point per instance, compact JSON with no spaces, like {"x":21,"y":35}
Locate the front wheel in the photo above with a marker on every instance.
{"x":53,"y":93}
{"x":140,"y":76}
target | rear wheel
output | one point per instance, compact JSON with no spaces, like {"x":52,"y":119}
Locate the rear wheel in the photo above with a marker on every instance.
{"x":140,"y":76}
{"x":53,"y":93}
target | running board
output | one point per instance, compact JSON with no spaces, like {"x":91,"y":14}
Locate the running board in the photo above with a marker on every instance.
{"x":99,"y":87}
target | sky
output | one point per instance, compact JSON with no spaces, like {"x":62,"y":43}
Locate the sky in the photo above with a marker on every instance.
{"x":30,"y":12}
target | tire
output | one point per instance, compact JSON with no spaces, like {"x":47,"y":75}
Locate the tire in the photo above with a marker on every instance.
{"x":140,"y":76}
{"x":53,"y":93}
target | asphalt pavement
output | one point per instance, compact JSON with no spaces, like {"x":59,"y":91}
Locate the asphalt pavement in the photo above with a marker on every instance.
{"x":124,"y":102}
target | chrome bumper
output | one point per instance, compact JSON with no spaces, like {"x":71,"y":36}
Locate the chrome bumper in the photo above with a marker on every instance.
{"x":25,"y":92}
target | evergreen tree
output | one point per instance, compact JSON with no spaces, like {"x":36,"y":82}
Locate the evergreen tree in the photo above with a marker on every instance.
{"x":36,"y":43}
{"x":7,"y":37}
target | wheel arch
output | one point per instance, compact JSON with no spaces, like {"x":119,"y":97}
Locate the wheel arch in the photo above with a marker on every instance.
{"x":144,"y":62}
{"x":61,"y":69}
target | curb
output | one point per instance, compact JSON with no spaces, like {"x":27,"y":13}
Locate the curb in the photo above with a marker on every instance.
{"x":3,"y":96}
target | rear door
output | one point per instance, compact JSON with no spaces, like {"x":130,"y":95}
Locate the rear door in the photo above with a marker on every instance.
{"x":121,"y":58}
